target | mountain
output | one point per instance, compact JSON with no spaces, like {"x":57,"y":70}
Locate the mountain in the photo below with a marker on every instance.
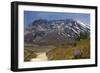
{"x":44,"y":31}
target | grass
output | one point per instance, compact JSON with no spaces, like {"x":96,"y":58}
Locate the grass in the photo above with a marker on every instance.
{"x":84,"y":47}
{"x":29,"y":54}
{"x":67,"y":51}
{"x":77,"y":50}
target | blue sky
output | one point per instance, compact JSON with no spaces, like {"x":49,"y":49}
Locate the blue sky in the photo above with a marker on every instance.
{"x":30,"y":16}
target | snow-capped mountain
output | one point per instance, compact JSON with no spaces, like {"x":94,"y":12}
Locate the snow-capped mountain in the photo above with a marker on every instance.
{"x":54,"y":31}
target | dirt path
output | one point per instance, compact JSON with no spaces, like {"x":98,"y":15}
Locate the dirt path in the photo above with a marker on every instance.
{"x":40,"y":57}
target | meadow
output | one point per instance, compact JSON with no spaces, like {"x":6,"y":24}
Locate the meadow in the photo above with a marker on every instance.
{"x":77,"y":50}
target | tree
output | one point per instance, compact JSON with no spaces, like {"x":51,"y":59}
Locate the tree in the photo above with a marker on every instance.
{"x":83,"y":35}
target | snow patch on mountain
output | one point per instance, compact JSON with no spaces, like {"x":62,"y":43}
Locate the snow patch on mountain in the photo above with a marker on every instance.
{"x":55,"y":30}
